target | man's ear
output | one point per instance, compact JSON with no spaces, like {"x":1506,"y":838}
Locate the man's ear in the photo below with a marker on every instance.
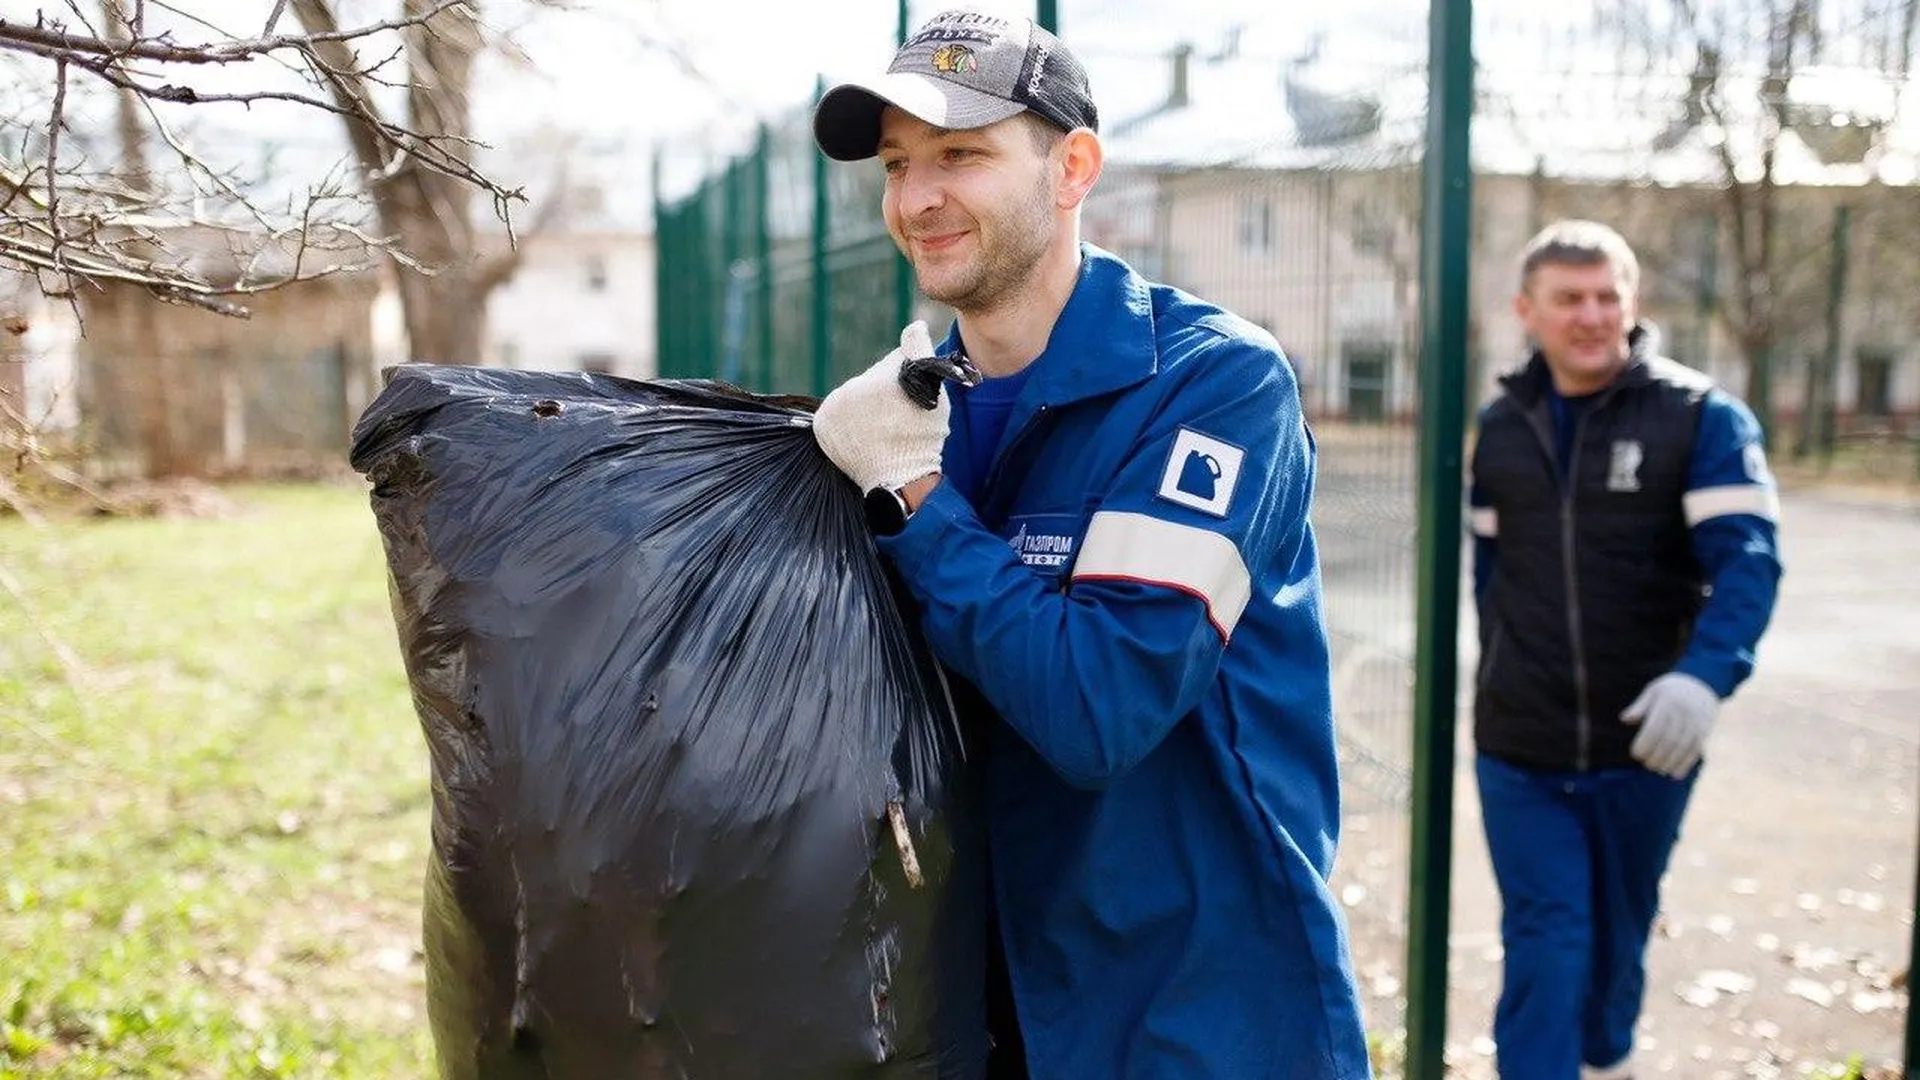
{"x":1080,"y":162}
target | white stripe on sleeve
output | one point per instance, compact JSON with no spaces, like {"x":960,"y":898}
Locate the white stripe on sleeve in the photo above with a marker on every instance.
{"x":1136,"y":547}
{"x":1486,"y":522}
{"x":1761,"y":500}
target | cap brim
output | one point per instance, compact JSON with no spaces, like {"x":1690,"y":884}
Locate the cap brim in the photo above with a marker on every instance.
{"x":846,"y":123}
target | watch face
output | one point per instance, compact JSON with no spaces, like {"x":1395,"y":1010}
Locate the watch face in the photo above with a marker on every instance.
{"x":886,"y":512}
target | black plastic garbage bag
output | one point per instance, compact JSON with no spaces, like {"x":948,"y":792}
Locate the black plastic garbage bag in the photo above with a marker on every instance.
{"x":685,"y":750}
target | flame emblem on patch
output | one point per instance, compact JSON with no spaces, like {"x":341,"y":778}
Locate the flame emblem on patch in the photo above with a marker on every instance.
{"x":955,"y":60}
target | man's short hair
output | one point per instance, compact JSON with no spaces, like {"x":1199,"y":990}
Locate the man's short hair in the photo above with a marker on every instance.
{"x":1042,"y":133}
{"x":1574,"y":242}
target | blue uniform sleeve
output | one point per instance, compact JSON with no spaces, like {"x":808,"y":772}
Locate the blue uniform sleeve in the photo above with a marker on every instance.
{"x":1094,"y":675}
{"x":1733,"y":508}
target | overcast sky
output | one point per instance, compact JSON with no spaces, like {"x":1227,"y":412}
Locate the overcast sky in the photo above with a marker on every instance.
{"x":696,"y":75}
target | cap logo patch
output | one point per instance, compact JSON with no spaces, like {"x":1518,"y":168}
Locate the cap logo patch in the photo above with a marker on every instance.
{"x":955,"y":59}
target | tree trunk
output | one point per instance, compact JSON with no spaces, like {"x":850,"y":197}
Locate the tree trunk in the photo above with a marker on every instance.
{"x":1819,"y":420}
{"x":442,"y":282}
{"x":152,"y":371}
{"x":446,"y":312}
{"x":1750,"y":316}
{"x":1909,"y":17}
{"x":446,"y":316}
{"x":1759,"y":350}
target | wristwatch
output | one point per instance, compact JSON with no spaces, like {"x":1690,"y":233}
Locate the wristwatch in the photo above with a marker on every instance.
{"x":887,"y":511}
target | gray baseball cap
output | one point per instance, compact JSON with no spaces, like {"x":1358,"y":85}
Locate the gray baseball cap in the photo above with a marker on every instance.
{"x":963,"y":69}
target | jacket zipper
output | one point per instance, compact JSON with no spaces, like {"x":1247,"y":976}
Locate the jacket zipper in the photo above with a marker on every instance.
{"x":990,"y":490}
{"x":1564,"y":477}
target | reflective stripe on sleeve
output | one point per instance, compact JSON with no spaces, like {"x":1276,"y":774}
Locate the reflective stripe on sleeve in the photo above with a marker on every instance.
{"x":1486,"y":522}
{"x":1136,"y":547}
{"x":1761,"y":500}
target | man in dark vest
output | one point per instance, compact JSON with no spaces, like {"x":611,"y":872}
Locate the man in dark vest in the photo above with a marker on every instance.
{"x":1625,"y":566}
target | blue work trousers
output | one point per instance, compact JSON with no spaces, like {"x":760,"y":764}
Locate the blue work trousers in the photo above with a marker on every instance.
{"x":1578,"y":857}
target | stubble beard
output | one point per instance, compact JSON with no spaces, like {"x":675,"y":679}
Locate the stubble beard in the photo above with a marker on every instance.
{"x":1004,"y":268}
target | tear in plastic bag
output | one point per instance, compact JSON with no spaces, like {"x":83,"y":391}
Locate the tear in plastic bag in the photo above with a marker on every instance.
{"x":685,"y":751}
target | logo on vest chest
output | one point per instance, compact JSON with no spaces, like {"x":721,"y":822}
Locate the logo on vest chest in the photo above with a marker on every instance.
{"x":1623,"y":469}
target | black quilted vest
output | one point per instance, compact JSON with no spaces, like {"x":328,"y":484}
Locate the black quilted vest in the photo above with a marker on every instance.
{"x":1596,"y":586}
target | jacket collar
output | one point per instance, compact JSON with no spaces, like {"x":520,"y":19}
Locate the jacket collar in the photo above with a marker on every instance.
{"x":1530,"y":381}
{"x":1103,"y":340}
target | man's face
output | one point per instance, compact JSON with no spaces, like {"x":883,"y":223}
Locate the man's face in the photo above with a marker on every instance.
{"x":1579,"y":315}
{"x":974,"y":211}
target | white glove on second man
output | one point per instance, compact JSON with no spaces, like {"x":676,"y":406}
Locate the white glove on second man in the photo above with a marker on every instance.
{"x":1675,"y":712}
{"x":874,"y":432}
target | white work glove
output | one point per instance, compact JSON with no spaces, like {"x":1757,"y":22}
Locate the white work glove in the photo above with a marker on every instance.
{"x":874,"y":432}
{"x":1674,"y":712}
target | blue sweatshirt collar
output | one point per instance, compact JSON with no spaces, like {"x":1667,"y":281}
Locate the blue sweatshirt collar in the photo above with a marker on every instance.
{"x":1091,"y":352}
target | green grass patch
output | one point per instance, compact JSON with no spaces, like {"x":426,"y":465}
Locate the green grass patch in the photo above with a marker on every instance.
{"x":213,"y":798}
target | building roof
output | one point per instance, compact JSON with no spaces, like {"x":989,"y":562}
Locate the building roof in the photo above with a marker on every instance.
{"x":1323,"y":112}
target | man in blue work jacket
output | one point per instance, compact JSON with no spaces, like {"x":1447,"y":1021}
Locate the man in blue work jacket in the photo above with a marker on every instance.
{"x":1625,"y":565}
{"x":1108,"y":540}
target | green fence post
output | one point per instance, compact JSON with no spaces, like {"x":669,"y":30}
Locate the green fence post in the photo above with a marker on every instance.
{"x":660,"y":262}
{"x":1444,"y":298}
{"x":706,"y":350}
{"x":763,"y":259}
{"x":1912,"y":1066}
{"x":733,"y":346}
{"x":1047,"y":14}
{"x":1826,"y":422}
{"x":699,"y":256}
{"x":675,"y":268}
{"x":688,"y":292}
{"x":822,"y":296}
{"x":679,"y":294}
{"x":903,"y":270}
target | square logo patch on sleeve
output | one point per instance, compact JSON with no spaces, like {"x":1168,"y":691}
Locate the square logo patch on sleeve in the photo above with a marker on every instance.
{"x":1201,"y":472}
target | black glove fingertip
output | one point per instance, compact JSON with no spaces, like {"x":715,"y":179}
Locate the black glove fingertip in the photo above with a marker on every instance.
{"x":921,"y":376}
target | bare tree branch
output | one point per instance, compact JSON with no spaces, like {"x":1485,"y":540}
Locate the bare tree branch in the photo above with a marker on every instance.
{"x":500,"y":268}
{"x":53,"y":155}
{"x":61,"y":216}
{"x":54,"y":41}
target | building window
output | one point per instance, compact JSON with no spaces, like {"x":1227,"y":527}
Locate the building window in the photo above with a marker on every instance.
{"x":1875,"y":370}
{"x":1369,"y":368}
{"x":1256,"y":225}
{"x":1374,"y":226}
{"x":599,"y":363}
{"x":596,"y":273}
{"x":586,"y":199}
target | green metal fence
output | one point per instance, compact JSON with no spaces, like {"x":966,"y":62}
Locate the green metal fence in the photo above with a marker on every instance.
{"x":777,"y":273}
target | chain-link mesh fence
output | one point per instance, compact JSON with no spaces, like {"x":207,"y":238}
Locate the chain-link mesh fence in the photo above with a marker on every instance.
{"x":781,"y":276}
